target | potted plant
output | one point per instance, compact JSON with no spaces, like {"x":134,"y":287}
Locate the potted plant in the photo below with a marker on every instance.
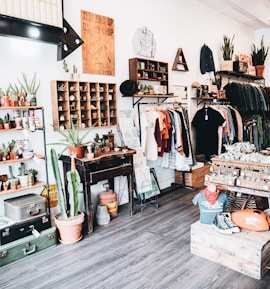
{"x":107,"y":146}
{"x":6,"y":185}
{"x":258,"y":55}
{"x":23,"y":176}
{"x":6,"y":121}
{"x":30,"y":87}
{"x":227,"y":49}
{"x":69,"y":221}
{"x":33,"y":173}
{"x":1,"y":123}
{"x":72,"y":140}
{"x":5,"y":152}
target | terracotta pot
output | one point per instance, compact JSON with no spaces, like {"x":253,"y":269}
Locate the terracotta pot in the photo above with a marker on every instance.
{"x":70,"y":230}
{"x":109,"y":198}
{"x":79,"y":151}
{"x":259,"y":70}
{"x":6,"y":125}
{"x":106,"y":149}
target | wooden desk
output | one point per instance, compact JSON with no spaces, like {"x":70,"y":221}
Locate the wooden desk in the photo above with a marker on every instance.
{"x":107,"y":166}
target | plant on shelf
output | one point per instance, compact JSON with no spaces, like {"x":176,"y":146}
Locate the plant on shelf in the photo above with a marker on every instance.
{"x":6,"y":185}
{"x":1,"y":123}
{"x":227,"y":48}
{"x":30,"y":87}
{"x":69,"y":216}
{"x":65,"y":66}
{"x":107,"y":146}
{"x":217,"y":81}
{"x":6,"y":121}
{"x":258,"y":55}
{"x":5,"y":152}
{"x":33,"y":172}
{"x":22,"y":176}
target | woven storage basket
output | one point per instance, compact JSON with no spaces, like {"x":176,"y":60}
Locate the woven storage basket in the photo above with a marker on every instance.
{"x":53,"y":195}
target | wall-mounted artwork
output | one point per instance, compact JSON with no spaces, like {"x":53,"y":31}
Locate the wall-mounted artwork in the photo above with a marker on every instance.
{"x":98,"y":55}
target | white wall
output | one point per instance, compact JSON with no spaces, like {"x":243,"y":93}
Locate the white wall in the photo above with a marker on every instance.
{"x":175,"y":24}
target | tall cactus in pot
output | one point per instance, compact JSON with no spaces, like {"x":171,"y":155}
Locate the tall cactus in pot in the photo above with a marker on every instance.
{"x":73,"y":179}
{"x":60,"y":191}
{"x":69,"y":223}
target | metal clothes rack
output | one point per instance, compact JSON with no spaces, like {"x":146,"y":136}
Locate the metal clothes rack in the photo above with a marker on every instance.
{"x":174,"y":103}
{"x":151,"y":103}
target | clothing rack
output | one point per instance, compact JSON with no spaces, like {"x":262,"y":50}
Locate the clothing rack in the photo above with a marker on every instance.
{"x":152,"y":103}
{"x":216,"y":103}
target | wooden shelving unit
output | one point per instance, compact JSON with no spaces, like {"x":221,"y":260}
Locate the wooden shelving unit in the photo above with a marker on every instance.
{"x":91,"y":103}
{"x":180,"y":63}
{"x":145,"y":71}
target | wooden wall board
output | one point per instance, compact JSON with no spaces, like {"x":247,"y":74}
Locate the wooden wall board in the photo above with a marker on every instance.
{"x":98,"y":52}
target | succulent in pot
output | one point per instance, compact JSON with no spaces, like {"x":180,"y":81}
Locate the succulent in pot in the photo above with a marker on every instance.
{"x":72,"y":139}
{"x":30,"y":87}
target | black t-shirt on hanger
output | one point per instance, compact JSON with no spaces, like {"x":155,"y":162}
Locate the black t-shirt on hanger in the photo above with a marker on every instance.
{"x":206,"y":122}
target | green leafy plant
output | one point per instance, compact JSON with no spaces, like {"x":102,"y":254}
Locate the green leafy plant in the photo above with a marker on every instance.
{"x":21,"y":169}
{"x":217,"y":81}
{"x":30,"y":86}
{"x":259,"y":54}
{"x":72,"y":137}
{"x":6,"y":118}
{"x":107,"y":143}
{"x":65,"y":66}
{"x":227,"y":48}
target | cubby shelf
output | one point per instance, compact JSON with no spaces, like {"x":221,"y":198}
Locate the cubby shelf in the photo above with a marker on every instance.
{"x":91,"y":103}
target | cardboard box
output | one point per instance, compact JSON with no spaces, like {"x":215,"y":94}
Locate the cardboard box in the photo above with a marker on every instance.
{"x":247,"y":252}
{"x":195,"y":178}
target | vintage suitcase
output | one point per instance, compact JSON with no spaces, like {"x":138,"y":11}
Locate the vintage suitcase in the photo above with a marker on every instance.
{"x":27,"y":246}
{"x":25,"y":207}
{"x":15,"y":231}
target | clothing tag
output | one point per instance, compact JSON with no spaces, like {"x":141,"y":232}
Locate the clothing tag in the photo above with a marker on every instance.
{"x":206,"y":117}
{"x":35,"y":233}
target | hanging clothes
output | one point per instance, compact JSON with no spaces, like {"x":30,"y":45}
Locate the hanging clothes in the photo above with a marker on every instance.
{"x":206,"y":123}
{"x":206,"y":60}
{"x":166,"y":136}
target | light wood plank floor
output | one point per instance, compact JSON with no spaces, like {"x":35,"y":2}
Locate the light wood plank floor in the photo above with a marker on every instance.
{"x":148,"y":251}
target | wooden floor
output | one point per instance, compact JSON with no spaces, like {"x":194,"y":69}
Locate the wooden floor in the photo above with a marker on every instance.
{"x":148,"y":251}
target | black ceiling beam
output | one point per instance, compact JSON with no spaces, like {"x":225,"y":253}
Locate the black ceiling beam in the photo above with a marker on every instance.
{"x":66,"y":39}
{"x":16,"y":27}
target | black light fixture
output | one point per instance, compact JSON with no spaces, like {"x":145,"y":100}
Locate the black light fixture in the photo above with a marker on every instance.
{"x":70,"y":41}
{"x":66,"y":39}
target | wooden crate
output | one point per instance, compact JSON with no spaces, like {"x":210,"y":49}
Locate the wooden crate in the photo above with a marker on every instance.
{"x":255,"y":185}
{"x":220,"y":179}
{"x":247,"y":252}
{"x":195,"y":178}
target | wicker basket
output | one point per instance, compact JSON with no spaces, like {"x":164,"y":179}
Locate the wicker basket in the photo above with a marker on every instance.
{"x":53,"y":195}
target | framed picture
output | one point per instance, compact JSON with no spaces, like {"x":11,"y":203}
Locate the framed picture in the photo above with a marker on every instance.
{"x":246,"y":58}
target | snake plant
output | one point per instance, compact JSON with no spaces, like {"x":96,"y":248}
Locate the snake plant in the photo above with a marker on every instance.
{"x":259,"y":54}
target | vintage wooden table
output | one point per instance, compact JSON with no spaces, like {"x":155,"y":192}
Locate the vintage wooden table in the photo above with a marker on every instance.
{"x":105,"y":167}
